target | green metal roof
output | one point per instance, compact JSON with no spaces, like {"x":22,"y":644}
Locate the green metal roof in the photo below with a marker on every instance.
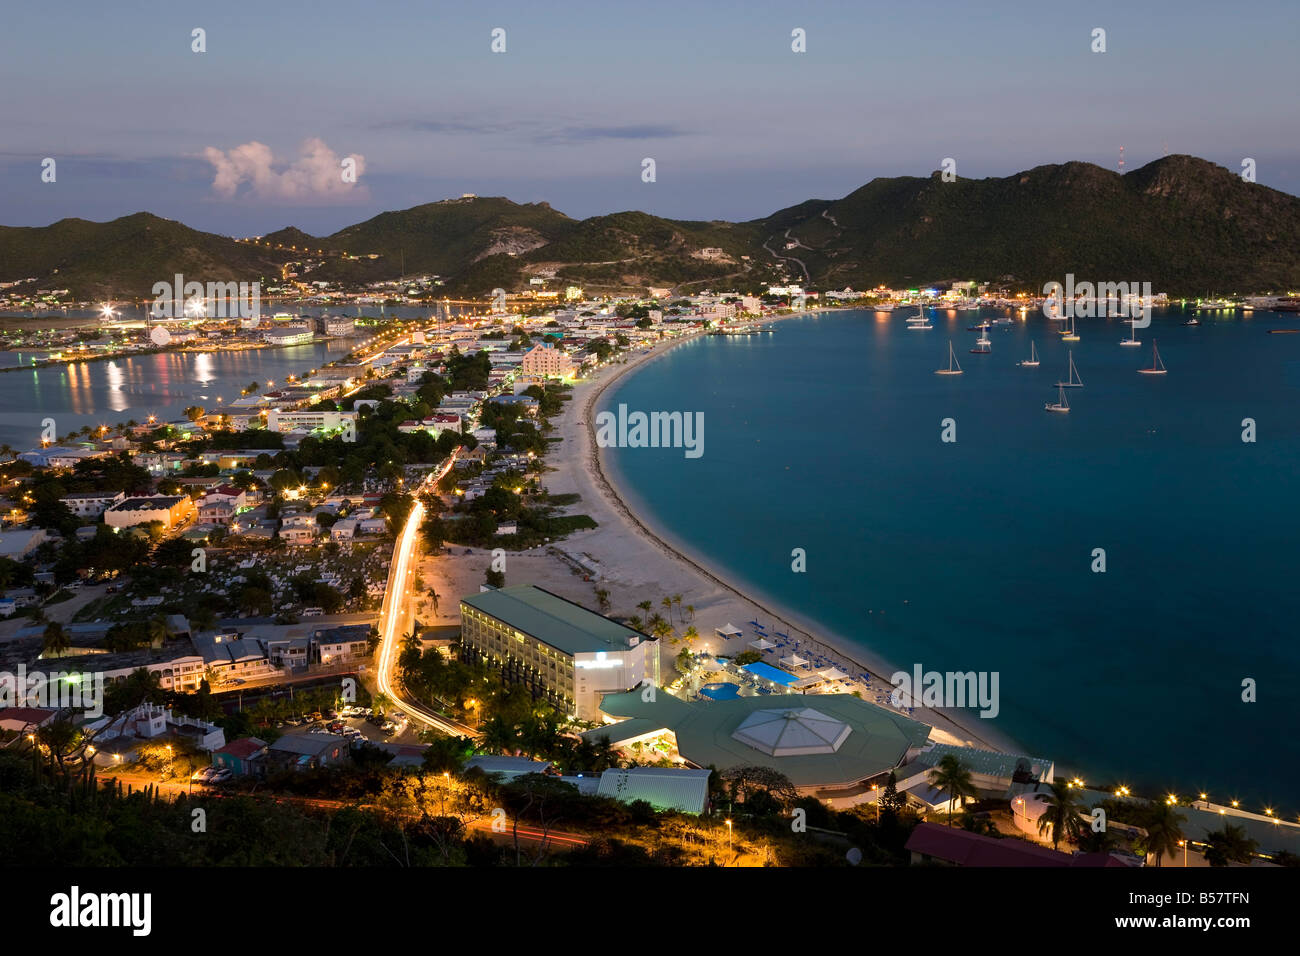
{"x":878,"y":741}
{"x":566,"y":626}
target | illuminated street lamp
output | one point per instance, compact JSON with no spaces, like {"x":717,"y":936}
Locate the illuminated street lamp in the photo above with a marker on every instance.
{"x":728,"y":839}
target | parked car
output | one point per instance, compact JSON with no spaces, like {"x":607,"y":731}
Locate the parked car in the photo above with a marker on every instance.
{"x":222,"y":775}
{"x":205,"y":775}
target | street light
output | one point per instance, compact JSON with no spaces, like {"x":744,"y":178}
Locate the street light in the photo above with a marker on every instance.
{"x":728,"y":839}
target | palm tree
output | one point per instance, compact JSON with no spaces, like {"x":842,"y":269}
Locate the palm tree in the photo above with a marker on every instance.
{"x":645,"y":606}
{"x":1062,"y":816}
{"x":56,"y":639}
{"x":1230,"y":845}
{"x":691,"y":635}
{"x":602,"y":599}
{"x":690,"y":610}
{"x":433,"y":599}
{"x":677,"y":600}
{"x":953,"y":778}
{"x":497,"y":735}
{"x":667,"y":605}
{"x":1164,"y":831}
{"x":156,"y":628}
{"x":663,"y":629}
{"x":635,"y":623}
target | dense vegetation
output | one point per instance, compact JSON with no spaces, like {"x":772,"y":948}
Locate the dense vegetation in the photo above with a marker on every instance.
{"x":1187,"y":226}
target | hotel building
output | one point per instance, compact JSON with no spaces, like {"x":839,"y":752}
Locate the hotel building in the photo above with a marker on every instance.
{"x":559,"y":650}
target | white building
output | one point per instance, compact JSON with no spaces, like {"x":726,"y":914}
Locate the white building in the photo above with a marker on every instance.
{"x":329,"y":421}
{"x":558,"y":649}
{"x":91,"y":504}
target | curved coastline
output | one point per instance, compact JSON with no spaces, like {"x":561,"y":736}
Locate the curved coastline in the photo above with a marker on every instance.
{"x":670,"y":545}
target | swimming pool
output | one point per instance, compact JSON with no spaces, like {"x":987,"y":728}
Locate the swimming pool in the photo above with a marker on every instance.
{"x":768,"y":672}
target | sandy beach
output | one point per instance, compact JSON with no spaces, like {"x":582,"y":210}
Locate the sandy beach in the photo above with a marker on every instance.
{"x":636,"y":560}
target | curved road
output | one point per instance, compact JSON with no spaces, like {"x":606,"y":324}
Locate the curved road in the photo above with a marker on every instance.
{"x":397,"y":611}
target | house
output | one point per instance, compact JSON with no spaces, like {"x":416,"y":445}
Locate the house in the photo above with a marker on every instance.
{"x":92,"y":504}
{"x":221,"y":504}
{"x":25,"y":719}
{"x":307,"y":751}
{"x":337,"y":644}
{"x":245,"y":757}
{"x":344,"y":529}
{"x":299,"y":529}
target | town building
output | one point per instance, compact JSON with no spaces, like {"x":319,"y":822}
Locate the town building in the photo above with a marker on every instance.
{"x":559,"y":650}
{"x":549,"y":362}
{"x":91,"y":504}
{"x":327,"y":421}
{"x":307,"y":751}
{"x":171,"y":510}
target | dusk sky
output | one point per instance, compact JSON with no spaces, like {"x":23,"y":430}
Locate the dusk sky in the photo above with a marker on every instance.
{"x":738,"y":124}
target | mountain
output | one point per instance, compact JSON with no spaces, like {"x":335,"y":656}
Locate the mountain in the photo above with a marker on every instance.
{"x":125,"y":257}
{"x":1182,"y":223}
{"x":1185,"y":225}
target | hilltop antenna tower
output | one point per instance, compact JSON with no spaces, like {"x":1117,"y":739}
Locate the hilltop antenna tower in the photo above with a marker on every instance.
{"x":1121,"y":160}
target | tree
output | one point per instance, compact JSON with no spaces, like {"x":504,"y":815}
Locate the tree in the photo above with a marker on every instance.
{"x":56,"y":639}
{"x":195,"y":412}
{"x":495,"y":578}
{"x":497,"y":735}
{"x":1062,"y":815}
{"x":692,"y":635}
{"x":1164,"y":831}
{"x":1230,"y":845}
{"x":602,"y":599}
{"x":953,"y":778}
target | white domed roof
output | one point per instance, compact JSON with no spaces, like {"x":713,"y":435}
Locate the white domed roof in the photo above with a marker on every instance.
{"x":788,"y":732}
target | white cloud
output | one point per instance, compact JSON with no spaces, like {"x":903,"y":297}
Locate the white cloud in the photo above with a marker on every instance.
{"x":315,"y":175}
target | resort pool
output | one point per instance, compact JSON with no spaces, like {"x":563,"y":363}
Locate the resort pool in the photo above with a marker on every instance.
{"x":720,"y":691}
{"x":768,"y":672}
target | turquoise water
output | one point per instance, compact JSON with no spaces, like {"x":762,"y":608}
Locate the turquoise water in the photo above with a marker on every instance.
{"x":977,"y":554}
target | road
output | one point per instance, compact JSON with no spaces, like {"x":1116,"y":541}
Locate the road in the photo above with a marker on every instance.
{"x":397,"y":612}
{"x":172,"y":790}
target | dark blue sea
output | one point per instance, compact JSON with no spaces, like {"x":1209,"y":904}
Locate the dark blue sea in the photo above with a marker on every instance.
{"x":978,"y":554}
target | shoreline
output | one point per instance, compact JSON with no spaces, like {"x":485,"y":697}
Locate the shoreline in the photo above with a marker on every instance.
{"x":577,"y":422}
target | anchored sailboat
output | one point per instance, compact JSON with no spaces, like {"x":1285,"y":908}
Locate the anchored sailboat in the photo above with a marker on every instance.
{"x":1032,"y":361}
{"x":919,"y":321}
{"x":1060,"y":405}
{"x":1068,"y":334}
{"x":1157,"y":366}
{"x":1072,"y":379}
{"x":1132,"y":336}
{"x":953,"y":368}
{"x":983,"y":345}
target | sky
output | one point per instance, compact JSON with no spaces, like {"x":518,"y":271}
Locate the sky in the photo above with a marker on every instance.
{"x":248,"y":136}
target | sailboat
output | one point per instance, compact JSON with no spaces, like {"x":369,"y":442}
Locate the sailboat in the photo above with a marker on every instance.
{"x":983,"y":345}
{"x":1132,"y":336}
{"x":1060,"y":405}
{"x":953,"y":367}
{"x":1032,"y":361}
{"x":1157,"y":366}
{"x":919,"y":321}
{"x":1069,"y":335}
{"x":1073,"y":379}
